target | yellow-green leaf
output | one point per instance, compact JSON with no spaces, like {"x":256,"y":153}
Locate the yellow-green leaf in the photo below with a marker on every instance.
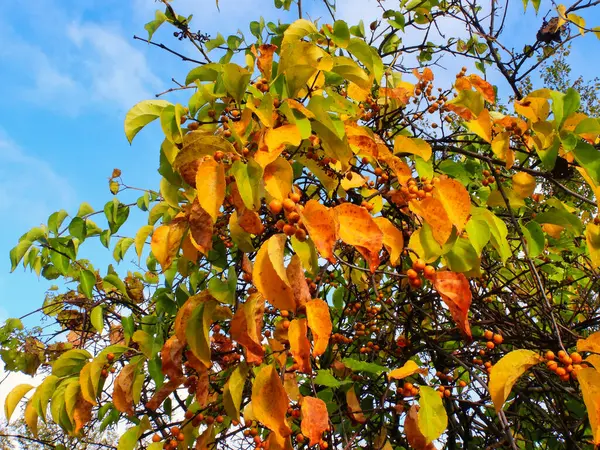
{"x":141,"y":115}
{"x":232,"y":392}
{"x":197,"y":331}
{"x":592,"y":238}
{"x":14,"y":397}
{"x":432,"y":419}
{"x":140,"y":239}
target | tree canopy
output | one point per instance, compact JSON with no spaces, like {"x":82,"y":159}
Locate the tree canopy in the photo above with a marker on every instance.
{"x":343,"y":251}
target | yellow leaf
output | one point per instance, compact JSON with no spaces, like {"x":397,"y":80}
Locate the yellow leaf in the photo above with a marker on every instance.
{"x":355,"y":181}
{"x":523,"y":184}
{"x":299,"y":344}
{"x":268,"y":272}
{"x":315,"y":419}
{"x":433,"y":212}
{"x":505,"y":373}
{"x":165,"y":242}
{"x":358,"y":228}
{"x":322,"y":227}
{"x":278,"y":177}
{"x":534,"y":108}
{"x":482,"y":126}
{"x":319,"y":321}
{"x":14,"y":397}
{"x":123,"y":389}
{"x":592,"y":238}
{"x":275,"y":141}
{"x":246,"y":327}
{"x":31,"y":417}
{"x":562,"y":15}
{"x":87,"y":385}
{"x":354,"y":409}
{"x":210,"y":184}
{"x":408,"y":369}
{"x":589,"y":381}
{"x":393,"y":239}
{"x":414,"y":146}
{"x":502,"y":150}
{"x":185,"y":312}
{"x":594,"y":360}
{"x":590,"y":344}
{"x":357,"y":93}
{"x":456,"y":201}
{"x":270,"y":402}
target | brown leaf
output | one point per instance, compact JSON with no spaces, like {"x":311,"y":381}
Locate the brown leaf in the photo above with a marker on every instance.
{"x":270,"y":402}
{"x":322,"y":227}
{"x":203,"y":383}
{"x":413,"y":433}
{"x":246,"y":327}
{"x":319,"y":321}
{"x":123,"y":389}
{"x":456,"y":293}
{"x":354,"y":410}
{"x":201,"y":228}
{"x":172,"y":357}
{"x":163,"y":392}
{"x":265,"y":59}
{"x":358,"y":228}
{"x":299,"y":344}
{"x":315,"y":419}
{"x":295,"y":275}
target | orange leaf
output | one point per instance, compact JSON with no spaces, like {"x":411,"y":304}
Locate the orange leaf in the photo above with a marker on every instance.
{"x":361,"y":139}
{"x":319,"y":322}
{"x":123,"y":389}
{"x":398,"y":93}
{"x":172,"y":356}
{"x":358,"y":228}
{"x":265,"y":59}
{"x":321,"y":226}
{"x":276,"y":442}
{"x":456,"y":293}
{"x":246,"y":327}
{"x":269,"y":274}
{"x":210,"y":184}
{"x":275,"y":141}
{"x":299,"y":344}
{"x":393,"y":239}
{"x":202,"y":384}
{"x":295,"y":274}
{"x":413,"y":433}
{"x":201,"y":228}
{"x":481,"y":126}
{"x":82,"y":413}
{"x":184,"y":313}
{"x":456,"y":201}
{"x":315,"y":419}
{"x":433,"y":211}
{"x":166,"y":240}
{"x":486,"y":89}
{"x":408,"y":369}
{"x":426,"y":75}
{"x":163,"y":392}
{"x":354,"y":409}
{"x":270,"y":402}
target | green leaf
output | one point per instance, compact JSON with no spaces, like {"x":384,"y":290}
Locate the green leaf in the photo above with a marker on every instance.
{"x":130,"y":438}
{"x":113,"y":280}
{"x":97,"y":318}
{"x":589,"y":158}
{"x":198,"y":330}
{"x":424,"y":168}
{"x":43,"y":394}
{"x":18,"y":252}
{"x":141,"y":115}
{"x":349,"y":70}
{"x":363,"y":366}
{"x":207,"y":72}
{"x":588,"y":125}
{"x":85,"y":209}
{"x":479,"y":234}
{"x":248,"y":178}
{"x":140,"y":239}
{"x":170,"y":121}
{"x":87,"y":281}
{"x":70,"y":362}
{"x":433,"y":419}
{"x":236,"y":79}
{"x":152,"y":26}
{"x":368,"y":56}
{"x":14,"y":397}
{"x":146,"y":343}
{"x":561,"y":217}
{"x":78,"y":228}
{"x":220,"y":290}
{"x":233,"y":390}
{"x":341,"y":33}
{"x":462,"y":257}
{"x":214,"y":43}
{"x":534,"y":238}
{"x":121,"y":248}
{"x":325,"y":378}
{"x":55,"y":220}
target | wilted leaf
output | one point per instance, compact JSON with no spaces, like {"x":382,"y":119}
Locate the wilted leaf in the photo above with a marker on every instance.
{"x":358,"y":228}
{"x":172,"y":357}
{"x":322,"y":227}
{"x":523,"y":184}
{"x":123,"y":389}
{"x":319,"y":322}
{"x":201,"y":228}
{"x":265,"y":59}
{"x":354,"y":409}
{"x":295,"y":275}
{"x":315,"y":419}
{"x":82,"y":413}
{"x":299,"y":344}
{"x":507,"y":371}
{"x":456,"y":293}
{"x":432,"y":419}
{"x":270,"y":402}
{"x":163,"y":392}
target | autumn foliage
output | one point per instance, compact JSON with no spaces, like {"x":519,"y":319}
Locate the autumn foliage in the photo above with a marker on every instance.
{"x":342,"y":252}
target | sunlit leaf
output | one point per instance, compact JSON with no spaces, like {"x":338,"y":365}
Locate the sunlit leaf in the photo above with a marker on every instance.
{"x":432,"y":419}
{"x":315,"y":419}
{"x":270,"y":401}
{"x":408,"y":369}
{"x":414,"y":146}
{"x":319,"y":322}
{"x":589,"y":381}
{"x":299,"y":344}
{"x":456,"y":293}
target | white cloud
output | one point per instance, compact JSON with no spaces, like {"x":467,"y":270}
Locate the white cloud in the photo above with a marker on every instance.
{"x":29,"y":186}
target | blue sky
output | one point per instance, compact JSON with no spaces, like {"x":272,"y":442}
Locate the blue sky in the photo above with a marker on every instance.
{"x":69,"y":71}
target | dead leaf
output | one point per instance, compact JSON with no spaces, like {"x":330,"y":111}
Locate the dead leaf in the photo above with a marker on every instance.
{"x":295,"y":275}
{"x":201,"y":228}
{"x":172,"y":357}
{"x":163,"y":392}
{"x":123,"y":389}
{"x":354,"y":409}
{"x":413,"y":433}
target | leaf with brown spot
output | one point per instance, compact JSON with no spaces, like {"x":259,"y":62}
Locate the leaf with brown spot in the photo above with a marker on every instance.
{"x":172,"y":357}
{"x":393,"y":239}
{"x":456,"y":293}
{"x":123,"y":389}
{"x":163,"y":392}
{"x":319,"y":322}
{"x":246,"y":327}
{"x":456,"y":200}
{"x":433,"y":212}
{"x":165,"y":242}
{"x":270,"y":402}
{"x":201,"y":228}
{"x":264,"y":61}
{"x":268,"y":271}
{"x":322,"y":227}
{"x":210,"y":184}
{"x":299,"y":344}
{"x":361,"y":138}
{"x":82,"y":413}
{"x":315,"y":419}
{"x":357,"y":228}
{"x":295,"y":275}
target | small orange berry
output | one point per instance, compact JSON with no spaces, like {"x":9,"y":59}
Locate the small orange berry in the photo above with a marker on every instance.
{"x":418,"y":265}
{"x":560,"y":371}
{"x":576,"y":358}
{"x":498,"y":339}
{"x":289,"y":205}
{"x":275,"y":206}
{"x":412,"y":274}
{"x":490,"y":345}
{"x":429,"y":271}
{"x":156,"y":438}
{"x":550,"y":355}
{"x":488,"y":335}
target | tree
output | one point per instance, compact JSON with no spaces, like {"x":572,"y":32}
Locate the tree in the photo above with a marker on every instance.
{"x":341,"y":251}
